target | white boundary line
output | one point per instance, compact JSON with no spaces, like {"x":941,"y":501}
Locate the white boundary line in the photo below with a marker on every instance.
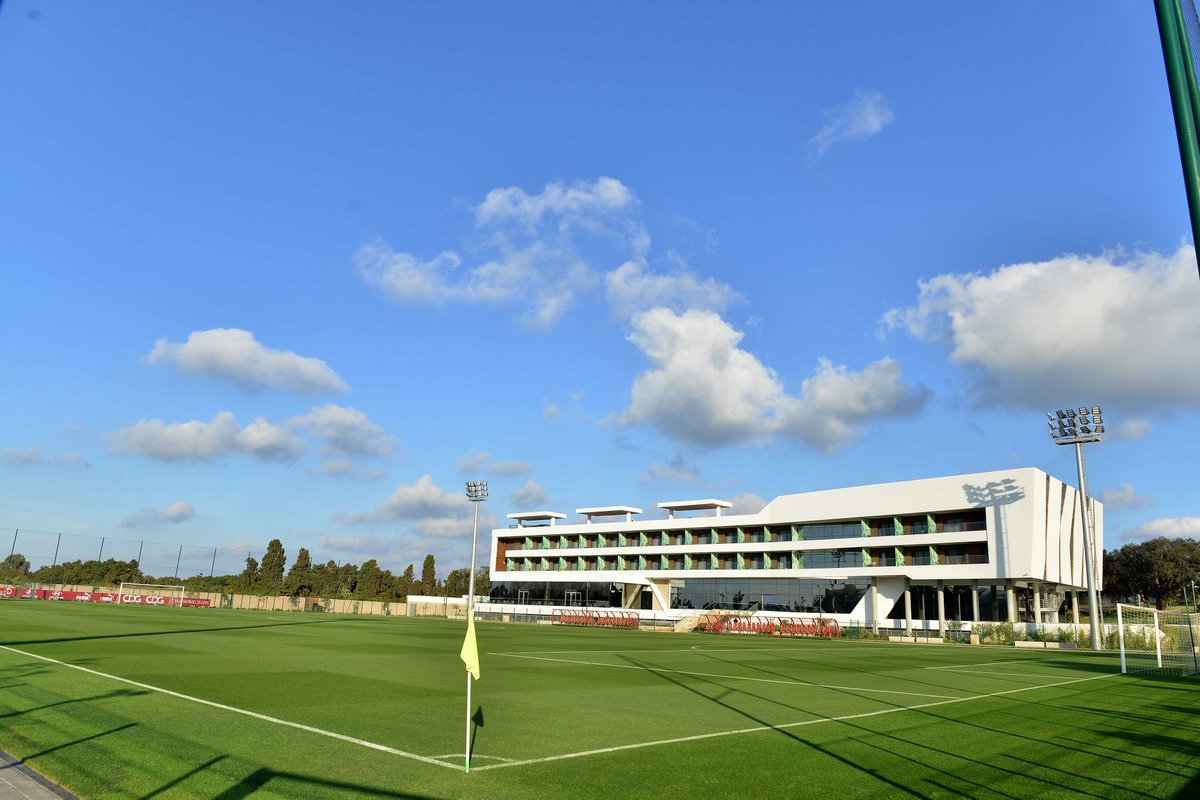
{"x":236,"y":710}
{"x":757,"y":729}
{"x":564,"y":756}
{"x":783,"y":681}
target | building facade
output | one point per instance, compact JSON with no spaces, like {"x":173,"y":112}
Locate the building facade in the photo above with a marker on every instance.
{"x":993,"y":546}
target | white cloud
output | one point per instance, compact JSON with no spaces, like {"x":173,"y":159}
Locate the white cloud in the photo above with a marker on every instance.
{"x":346,"y":431}
{"x":206,"y":441}
{"x":531,"y":253}
{"x":1169,"y":527}
{"x":509,"y":468}
{"x":530,"y":495}
{"x":864,"y":116}
{"x":23,"y":456}
{"x":835,"y":403}
{"x":1131,"y":429}
{"x":550,"y":410}
{"x":345,"y":468}
{"x":630,"y":289}
{"x":746,"y":503}
{"x":1125,"y":497}
{"x":174,"y":514}
{"x":74,"y":459}
{"x":404,"y":278}
{"x":426,"y":508}
{"x":706,"y":390}
{"x":1118,"y":330}
{"x":603,"y":196}
{"x":678,"y":470}
{"x":473,"y":460}
{"x":235,"y":356}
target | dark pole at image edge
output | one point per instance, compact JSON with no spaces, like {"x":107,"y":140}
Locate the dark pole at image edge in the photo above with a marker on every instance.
{"x":1185,"y":100}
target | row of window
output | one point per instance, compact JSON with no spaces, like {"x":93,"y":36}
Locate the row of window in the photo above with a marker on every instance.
{"x":809,"y":559}
{"x":744,"y":535}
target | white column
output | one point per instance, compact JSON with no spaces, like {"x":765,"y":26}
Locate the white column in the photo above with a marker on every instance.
{"x":875,"y":606}
{"x":908,"y":620}
{"x":975,"y":602}
{"x":1011,"y":596}
{"x":1037,"y":604}
{"x":941,"y":595}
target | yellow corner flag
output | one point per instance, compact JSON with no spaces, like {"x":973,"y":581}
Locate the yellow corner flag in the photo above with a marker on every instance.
{"x":470,"y":651}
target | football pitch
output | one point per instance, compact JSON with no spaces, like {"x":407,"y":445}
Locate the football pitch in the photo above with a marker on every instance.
{"x":135,"y":702}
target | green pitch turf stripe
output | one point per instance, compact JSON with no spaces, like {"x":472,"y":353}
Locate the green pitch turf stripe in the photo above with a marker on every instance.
{"x":266,"y":718}
{"x":752,"y":679}
{"x":761,"y":728}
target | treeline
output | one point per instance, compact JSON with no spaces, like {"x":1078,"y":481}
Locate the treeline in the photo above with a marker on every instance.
{"x":1157,"y":569}
{"x":272,"y":576}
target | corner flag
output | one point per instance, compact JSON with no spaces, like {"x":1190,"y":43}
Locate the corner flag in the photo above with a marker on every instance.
{"x":470,"y":652}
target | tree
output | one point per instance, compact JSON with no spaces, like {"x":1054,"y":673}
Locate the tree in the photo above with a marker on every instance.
{"x":249,"y":578}
{"x":404,"y":584}
{"x":429,"y":583}
{"x":325,"y":579}
{"x":483,"y":581}
{"x":272,"y":568}
{"x":371,"y":581}
{"x":299,"y":578}
{"x":1158,"y":569}
{"x":456,"y":584}
{"x":347,"y":580}
{"x":15,"y":567}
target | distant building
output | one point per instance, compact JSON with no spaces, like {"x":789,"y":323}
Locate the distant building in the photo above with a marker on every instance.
{"x":1005,"y":545}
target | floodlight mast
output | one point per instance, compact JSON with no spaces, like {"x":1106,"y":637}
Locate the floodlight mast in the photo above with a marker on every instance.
{"x":477,"y":492}
{"x":1068,"y":427}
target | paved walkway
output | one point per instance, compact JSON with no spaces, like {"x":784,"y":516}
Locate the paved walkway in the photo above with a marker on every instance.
{"x":19,"y":782}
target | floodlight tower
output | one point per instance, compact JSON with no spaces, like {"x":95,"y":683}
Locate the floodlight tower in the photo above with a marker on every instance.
{"x":477,"y":492}
{"x":1069,"y":427}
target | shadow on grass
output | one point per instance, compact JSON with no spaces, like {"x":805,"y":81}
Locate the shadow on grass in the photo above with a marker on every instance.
{"x":476,"y":724}
{"x":895,"y":785}
{"x":177,"y":781}
{"x":296,"y":785}
{"x":65,"y":745}
{"x":1071,"y":777}
{"x":171,"y":633}
{"x":106,"y":696}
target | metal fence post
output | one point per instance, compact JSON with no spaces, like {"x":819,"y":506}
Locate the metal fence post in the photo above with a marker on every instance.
{"x":54,"y":564}
{"x":99,"y":559}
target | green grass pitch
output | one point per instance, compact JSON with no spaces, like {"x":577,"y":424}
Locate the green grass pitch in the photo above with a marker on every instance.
{"x":323,"y":706}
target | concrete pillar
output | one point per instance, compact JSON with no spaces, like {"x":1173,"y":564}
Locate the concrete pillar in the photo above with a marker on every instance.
{"x":907,"y":609}
{"x":1011,"y":596}
{"x":1074,"y":608}
{"x":875,"y":606}
{"x":975,"y":602}
{"x":1037,"y":604}
{"x":941,"y":595}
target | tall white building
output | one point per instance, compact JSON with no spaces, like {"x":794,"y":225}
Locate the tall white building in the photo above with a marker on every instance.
{"x":1005,"y":545}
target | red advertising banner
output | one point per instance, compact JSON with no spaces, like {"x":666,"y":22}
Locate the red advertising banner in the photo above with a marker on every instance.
{"x":105,"y":597}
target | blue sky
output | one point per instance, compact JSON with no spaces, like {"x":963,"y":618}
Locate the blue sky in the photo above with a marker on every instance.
{"x":299,"y":270}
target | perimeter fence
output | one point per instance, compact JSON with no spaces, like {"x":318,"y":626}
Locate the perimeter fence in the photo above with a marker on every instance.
{"x":54,"y":558}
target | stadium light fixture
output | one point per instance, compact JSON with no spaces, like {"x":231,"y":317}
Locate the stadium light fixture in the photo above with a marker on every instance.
{"x":1067,"y":427}
{"x":477,"y":492}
